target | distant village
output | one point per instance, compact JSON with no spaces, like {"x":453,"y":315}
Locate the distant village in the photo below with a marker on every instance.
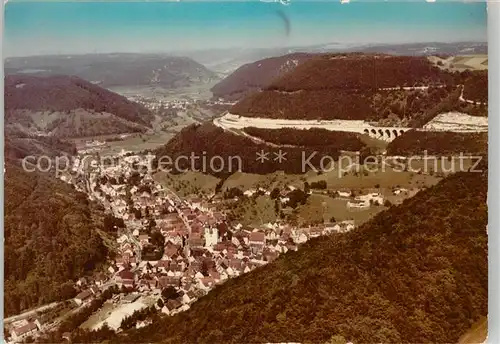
{"x":155,"y":104}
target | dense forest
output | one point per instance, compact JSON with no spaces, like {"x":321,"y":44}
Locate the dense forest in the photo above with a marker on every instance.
{"x":476,"y":86}
{"x":365,"y":87}
{"x":395,"y":107}
{"x":416,"y":273}
{"x":438,"y":143}
{"x":257,"y":75}
{"x":66,"y":93}
{"x":318,"y":104}
{"x":209,"y":141}
{"x":361,"y":72}
{"x":50,"y":239}
{"x":308,"y":137}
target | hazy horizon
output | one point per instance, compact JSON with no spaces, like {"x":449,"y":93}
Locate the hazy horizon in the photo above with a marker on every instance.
{"x":59,"y":28}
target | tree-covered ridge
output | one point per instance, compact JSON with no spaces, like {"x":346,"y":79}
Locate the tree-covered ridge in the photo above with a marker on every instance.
{"x":65,"y":93}
{"x":438,"y":143}
{"x":361,"y":72}
{"x":308,"y":137}
{"x":208,"y":140}
{"x":254,"y":76}
{"x":416,"y":273}
{"x":397,"y":90}
{"x":50,"y":239}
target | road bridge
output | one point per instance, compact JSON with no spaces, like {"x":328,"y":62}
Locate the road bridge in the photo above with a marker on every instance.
{"x":230,"y":122}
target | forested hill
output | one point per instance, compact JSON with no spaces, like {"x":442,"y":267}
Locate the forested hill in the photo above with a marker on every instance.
{"x":255,"y":76}
{"x":64,"y":93}
{"x":67,"y":106}
{"x":393,"y":90}
{"x":50,"y":239}
{"x":416,"y":273}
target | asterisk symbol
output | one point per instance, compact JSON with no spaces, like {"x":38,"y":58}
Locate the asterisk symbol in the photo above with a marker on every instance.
{"x":280,"y":156}
{"x":262,"y":156}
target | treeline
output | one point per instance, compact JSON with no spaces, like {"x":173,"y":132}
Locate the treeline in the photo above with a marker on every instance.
{"x":309,"y":137}
{"x":50,"y":239}
{"x":438,"y":143}
{"x":208,"y":141}
{"x":416,"y":273}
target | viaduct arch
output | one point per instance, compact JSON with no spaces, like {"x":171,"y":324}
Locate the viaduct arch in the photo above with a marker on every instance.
{"x":385,"y":133}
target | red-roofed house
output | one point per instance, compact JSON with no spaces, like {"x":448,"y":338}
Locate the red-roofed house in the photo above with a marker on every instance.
{"x":166,"y":281}
{"x":83,"y":297}
{"x":170,"y":249}
{"x":22,"y":332}
{"x":207,"y":282}
{"x":257,"y":238}
{"x":196,"y":242}
{"x":171,"y":306}
{"x":126,"y":278}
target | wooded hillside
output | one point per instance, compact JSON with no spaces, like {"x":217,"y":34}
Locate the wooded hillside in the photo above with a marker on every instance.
{"x":365,"y":87}
{"x":64,"y":93}
{"x":438,"y":143}
{"x":50,"y":239}
{"x":211,"y":141}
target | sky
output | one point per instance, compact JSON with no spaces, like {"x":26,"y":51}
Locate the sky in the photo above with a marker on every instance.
{"x":37,"y":28}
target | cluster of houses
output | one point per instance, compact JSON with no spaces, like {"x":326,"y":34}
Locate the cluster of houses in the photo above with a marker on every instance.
{"x":218,"y":254}
{"x":365,"y":201}
{"x":88,"y":290}
{"x":282,"y":196}
{"x":22,"y":329}
{"x":200,"y":248}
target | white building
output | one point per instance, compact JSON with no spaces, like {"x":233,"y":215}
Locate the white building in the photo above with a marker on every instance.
{"x":358,"y":204}
{"x":211,"y":237}
{"x":373,"y":197}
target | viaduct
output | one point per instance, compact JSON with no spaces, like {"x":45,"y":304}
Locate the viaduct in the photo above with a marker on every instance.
{"x":229,"y":121}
